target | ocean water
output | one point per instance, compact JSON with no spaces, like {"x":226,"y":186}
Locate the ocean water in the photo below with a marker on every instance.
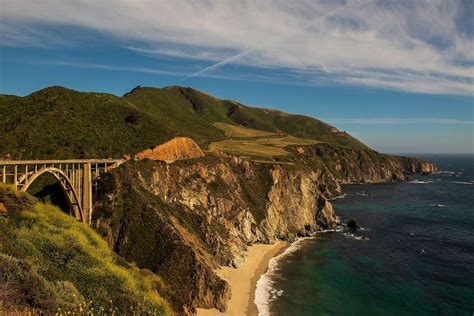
{"x":418,"y":259}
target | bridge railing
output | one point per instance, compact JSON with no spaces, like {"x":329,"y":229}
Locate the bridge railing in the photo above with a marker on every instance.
{"x":16,"y":171}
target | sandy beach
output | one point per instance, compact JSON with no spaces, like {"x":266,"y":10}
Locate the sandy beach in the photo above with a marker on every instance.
{"x":243,"y":280}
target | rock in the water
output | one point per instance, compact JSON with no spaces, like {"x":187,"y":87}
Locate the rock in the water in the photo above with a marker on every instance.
{"x":353,"y":224}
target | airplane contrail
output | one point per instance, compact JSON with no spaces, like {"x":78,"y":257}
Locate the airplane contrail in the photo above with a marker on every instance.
{"x":284,"y":36}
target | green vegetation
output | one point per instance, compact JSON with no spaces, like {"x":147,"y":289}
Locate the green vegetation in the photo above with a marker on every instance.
{"x":249,"y":142}
{"x":7,"y":187}
{"x":241,"y":131}
{"x":260,"y":147}
{"x":49,"y":262}
{"x":60,"y":123}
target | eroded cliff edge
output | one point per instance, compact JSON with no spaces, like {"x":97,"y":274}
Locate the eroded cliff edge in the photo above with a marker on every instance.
{"x":183,"y":220}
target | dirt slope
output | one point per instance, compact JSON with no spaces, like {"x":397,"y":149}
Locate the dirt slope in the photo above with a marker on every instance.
{"x":178,"y":148}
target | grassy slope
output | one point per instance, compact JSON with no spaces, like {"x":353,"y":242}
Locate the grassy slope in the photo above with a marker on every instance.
{"x":260,"y":147}
{"x":253,"y":143}
{"x":62,"y":123}
{"x":238,"y":131}
{"x":48,"y":260}
{"x":296,"y":125}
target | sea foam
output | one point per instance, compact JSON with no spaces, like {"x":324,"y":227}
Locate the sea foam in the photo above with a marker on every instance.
{"x":339,"y":197}
{"x":444,"y":172}
{"x":461,"y":182}
{"x":420,"y":181}
{"x":264,"y":292}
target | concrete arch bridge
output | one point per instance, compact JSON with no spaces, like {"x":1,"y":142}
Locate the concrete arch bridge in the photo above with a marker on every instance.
{"x":75,"y":178}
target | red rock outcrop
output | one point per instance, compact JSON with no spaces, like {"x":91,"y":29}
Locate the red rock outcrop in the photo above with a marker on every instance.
{"x":179,"y":148}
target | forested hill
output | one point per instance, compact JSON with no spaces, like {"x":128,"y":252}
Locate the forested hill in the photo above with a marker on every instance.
{"x":62,"y":123}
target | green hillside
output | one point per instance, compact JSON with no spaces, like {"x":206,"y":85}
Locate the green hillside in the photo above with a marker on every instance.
{"x":50,"y":262}
{"x":62,"y":123}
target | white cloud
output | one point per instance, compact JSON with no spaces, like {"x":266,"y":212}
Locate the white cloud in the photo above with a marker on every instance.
{"x":404,"y":45}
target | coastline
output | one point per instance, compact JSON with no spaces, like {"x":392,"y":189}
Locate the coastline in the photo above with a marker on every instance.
{"x":263,"y":289}
{"x":243,"y":280}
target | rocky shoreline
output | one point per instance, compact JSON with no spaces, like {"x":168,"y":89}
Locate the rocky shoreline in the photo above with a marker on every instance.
{"x":243,"y":280}
{"x":184,"y":220}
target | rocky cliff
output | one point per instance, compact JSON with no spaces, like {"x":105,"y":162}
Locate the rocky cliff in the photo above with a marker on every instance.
{"x":183,"y":220}
{"x":362,"y":166}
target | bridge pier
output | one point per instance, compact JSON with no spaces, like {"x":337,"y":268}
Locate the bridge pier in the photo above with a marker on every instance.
{"x":87,"y":192}
{"x":74,"y":176}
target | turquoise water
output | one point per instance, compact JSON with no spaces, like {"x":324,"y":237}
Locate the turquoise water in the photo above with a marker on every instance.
{"x":419,"y":259}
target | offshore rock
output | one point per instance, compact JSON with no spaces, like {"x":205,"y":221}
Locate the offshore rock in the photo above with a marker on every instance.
{"x":352,"y":224}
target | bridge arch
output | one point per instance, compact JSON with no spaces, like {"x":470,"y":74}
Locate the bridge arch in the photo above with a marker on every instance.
{"x":65,"y":184}
{"x":75,"y":177}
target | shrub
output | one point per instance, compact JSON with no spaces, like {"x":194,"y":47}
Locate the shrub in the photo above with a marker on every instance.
{"x":7,"y":187}
{"x":50,"y":260}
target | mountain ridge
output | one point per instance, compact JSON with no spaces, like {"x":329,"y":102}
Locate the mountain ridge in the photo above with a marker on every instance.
{"x":263,"y":176}
{"x":140,"y":119}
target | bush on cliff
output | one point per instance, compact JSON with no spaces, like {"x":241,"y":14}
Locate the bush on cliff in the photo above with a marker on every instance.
{"x":49,"y":261}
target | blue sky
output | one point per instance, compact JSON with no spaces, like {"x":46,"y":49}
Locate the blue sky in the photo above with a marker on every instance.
{"x":396,"y":74}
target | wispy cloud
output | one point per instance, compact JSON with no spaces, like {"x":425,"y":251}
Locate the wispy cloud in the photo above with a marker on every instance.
{"x":396,"y":121}
{"x":114,"y":67}
{"x":277,"y":40}
{"x":420,"y":46}
{"x":146,"y":70}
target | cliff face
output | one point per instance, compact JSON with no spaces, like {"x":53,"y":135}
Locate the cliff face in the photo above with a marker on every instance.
{"x":184,"y":219}
{"x":363,"y":166}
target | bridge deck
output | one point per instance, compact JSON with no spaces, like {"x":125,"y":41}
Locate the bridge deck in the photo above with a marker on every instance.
{"x":79,"y":161}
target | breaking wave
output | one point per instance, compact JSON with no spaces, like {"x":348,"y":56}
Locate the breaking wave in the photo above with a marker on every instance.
{"x":339,"y":197}
{"x":265,"y":292}
{"x":462,"y":182}
{"x":420,"y":181}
